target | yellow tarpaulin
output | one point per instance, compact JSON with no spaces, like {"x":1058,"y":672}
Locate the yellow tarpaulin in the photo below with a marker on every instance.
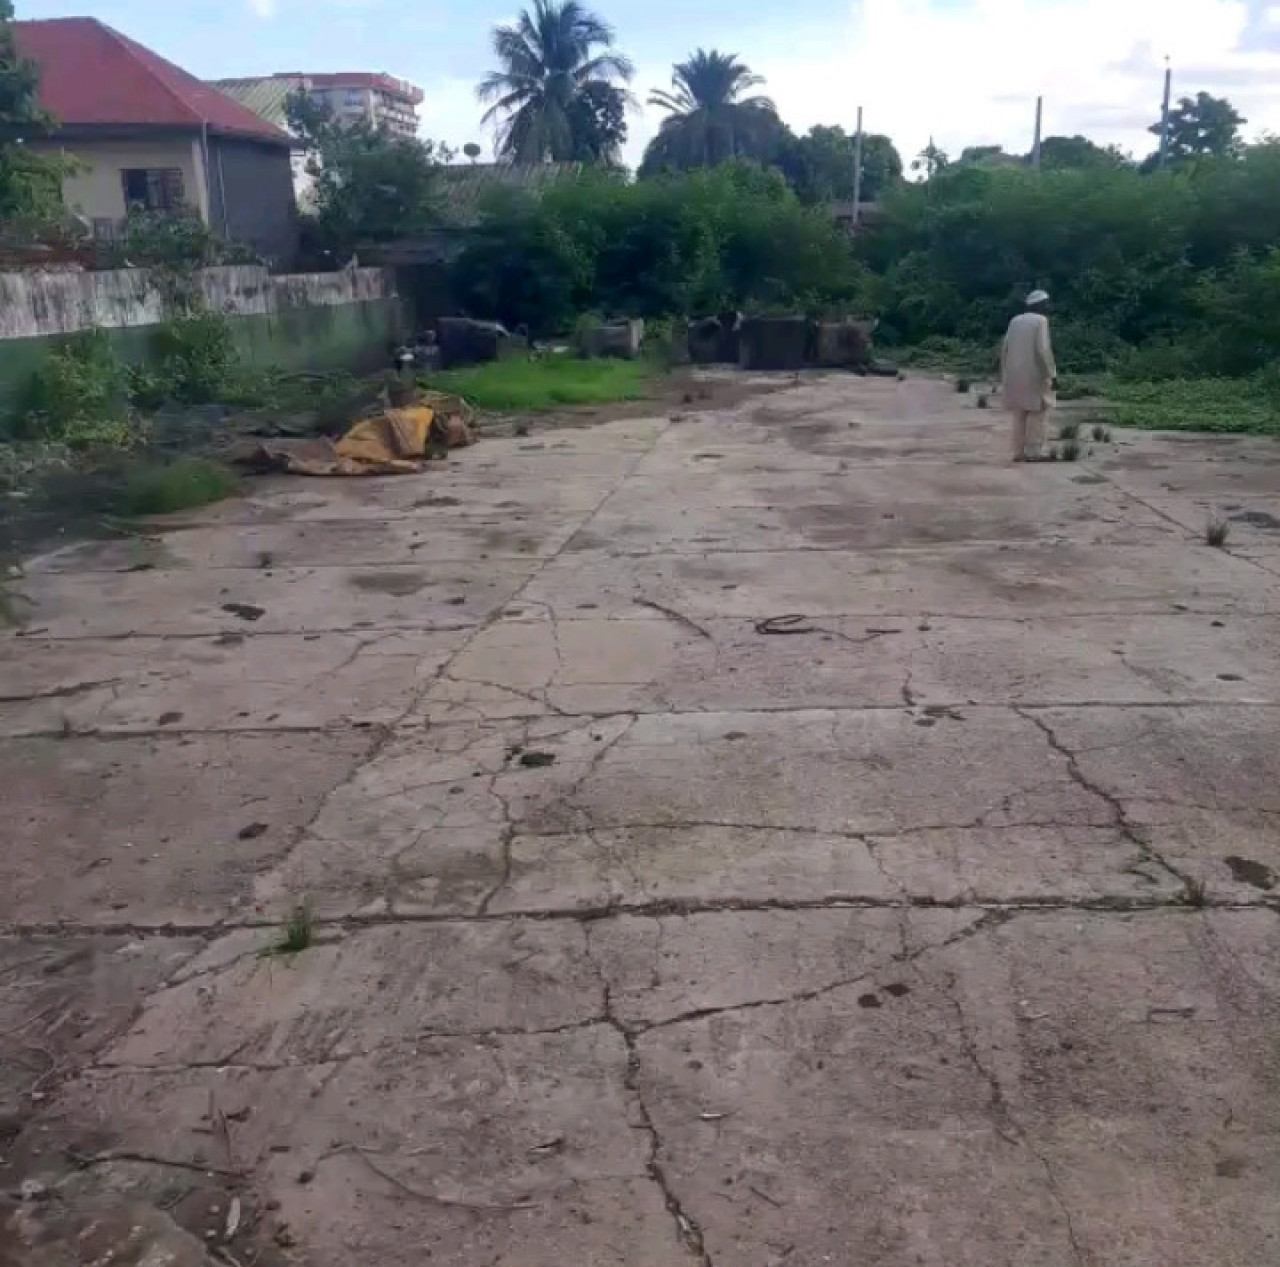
{"x":394,"y":442}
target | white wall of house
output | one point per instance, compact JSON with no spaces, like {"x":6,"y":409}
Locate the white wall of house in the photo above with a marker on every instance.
{"x":97,"y":189}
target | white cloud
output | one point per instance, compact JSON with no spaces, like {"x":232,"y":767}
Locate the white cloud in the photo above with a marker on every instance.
{"x":969,"y":75}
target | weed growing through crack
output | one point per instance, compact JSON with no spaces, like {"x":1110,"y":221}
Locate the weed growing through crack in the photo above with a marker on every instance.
{"x":1068,"y":431}
{"x":298,"y":934}
{"x":1216,"y":532}
{"x":1101,"y":434}
{"x":984,"y":402}
{"x":962,"y":385}
{"x":1071,"y":451}
{"x":1196,"y":894}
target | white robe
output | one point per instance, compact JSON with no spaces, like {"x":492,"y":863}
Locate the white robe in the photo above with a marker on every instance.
{"x":1027,"y":368}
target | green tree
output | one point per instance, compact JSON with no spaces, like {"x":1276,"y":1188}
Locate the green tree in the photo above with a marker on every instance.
{"x":1078,"y":153}
{"x":30,"y":183}
{"x":819,"y":165}
{"x":370,"y":185}
{"x":931,"y":160}
{"x":557,"y":95}
{"x":1202,"y":126}
{"x":710,"y":117}
{"x":598,"y":117}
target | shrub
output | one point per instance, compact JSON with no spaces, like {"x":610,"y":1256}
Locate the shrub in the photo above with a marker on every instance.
{"x":196,"y":356}
{"x":80,"y":395}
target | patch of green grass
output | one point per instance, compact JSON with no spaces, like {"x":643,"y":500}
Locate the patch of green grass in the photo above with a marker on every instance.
{"x":1229,"y":405}
{"x":163,"y":488}
{"x":552,"y":382}
{"x":297,"y":935}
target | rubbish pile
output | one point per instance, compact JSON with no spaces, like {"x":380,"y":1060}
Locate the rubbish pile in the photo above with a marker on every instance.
{"x":391,"y":441}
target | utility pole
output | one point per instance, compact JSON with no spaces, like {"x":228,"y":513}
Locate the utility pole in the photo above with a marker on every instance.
{"x":1164,"y":113}
{"x":1035,"y":145}
{"x":857,"y":171}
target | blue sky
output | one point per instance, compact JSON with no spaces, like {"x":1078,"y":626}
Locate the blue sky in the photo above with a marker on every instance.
{"x":964,"y":71}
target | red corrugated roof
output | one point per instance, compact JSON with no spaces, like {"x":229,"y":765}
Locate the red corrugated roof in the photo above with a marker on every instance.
{"x":92,"y":76}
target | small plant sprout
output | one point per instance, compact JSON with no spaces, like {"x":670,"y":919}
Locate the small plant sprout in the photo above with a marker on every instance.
{"x":1068,"y":431}
{"x":297,"y":935}
{"x":1100,"y":433}
{"x":1216,"y":532}
{"x":1071,"y":451}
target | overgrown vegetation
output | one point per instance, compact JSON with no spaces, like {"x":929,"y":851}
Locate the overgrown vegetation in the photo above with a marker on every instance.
{"x":552,"y":382}
{"x":163,"y":488}
{"x":731,"y":237}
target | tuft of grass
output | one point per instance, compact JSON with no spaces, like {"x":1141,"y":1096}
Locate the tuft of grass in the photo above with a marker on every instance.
{"x":962,"y":386}
{"x":1216,"y":532}
{"x":1101,"y":434}
{"x":1070,"y":451}
{"x":161,"y":488}
{"x":1069,"y":431}
{"x":1196,"y":894}
{"x":551,"y":382}
{"x":984,"y":402}
{"x":297,"y":935}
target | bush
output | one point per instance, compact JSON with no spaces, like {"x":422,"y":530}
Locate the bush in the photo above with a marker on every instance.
{"x":733,"y":237}
{"x":196,"y":357}
{"x":80,"y":396}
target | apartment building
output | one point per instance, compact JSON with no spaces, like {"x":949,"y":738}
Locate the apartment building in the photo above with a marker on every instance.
{"x":380,"y":100}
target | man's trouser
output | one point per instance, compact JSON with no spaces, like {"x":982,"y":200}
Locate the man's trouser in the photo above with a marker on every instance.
{"x":1028,"y":433}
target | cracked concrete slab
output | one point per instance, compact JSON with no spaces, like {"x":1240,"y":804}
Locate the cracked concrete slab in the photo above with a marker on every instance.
{"x":500,"y":1149}
{"x":156,"y":830}
{"x":421,"y":595}
{"x":254,"y":1006}
{"x":234,"y":681}
{"x":64,"y":998}
{"x":533,"y":667}
{"x":936,"y":924}
{"x":1001,"y":581}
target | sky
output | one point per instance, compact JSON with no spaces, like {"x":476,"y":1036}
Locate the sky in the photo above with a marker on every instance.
{"x":963,"y":72}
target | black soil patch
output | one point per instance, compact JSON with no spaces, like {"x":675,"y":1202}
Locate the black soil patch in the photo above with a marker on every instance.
{"x":399,"y":584}
{"x":1246,"y":871}
{"x":1257,"y":519}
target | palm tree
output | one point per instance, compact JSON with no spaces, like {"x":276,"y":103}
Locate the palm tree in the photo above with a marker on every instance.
{"x":710,"y":118}
{"x":553,"y":54}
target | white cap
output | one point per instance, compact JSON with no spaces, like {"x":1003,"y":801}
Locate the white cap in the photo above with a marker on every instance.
{"x":1037,"y":297}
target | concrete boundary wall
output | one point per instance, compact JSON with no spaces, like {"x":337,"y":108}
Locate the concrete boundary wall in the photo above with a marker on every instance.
{"x":305,"y":321}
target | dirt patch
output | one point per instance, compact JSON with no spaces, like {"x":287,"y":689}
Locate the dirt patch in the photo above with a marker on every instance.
{"x":1247,"y":871}
{"x":397,"y":584}
{"x":1257,"y":519}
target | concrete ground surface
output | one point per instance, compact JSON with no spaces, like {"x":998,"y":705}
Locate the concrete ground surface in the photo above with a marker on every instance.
{"x":936,"y":925}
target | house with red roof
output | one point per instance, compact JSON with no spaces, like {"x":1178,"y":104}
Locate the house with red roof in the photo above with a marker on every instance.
{"x":150,"y":136}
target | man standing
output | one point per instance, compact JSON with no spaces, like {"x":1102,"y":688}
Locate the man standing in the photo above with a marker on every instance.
{"x":1029,"y":377}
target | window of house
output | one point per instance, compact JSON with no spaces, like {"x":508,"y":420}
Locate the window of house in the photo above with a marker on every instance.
{"x":355,"y":97}
{"x":153,"y":188}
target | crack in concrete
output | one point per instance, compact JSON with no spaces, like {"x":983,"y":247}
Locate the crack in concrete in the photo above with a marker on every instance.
{"x":688,"y":1232}
{"x":1175,"y":904}
{"x":1004,"y":1121}
{"x":1127,"y":829}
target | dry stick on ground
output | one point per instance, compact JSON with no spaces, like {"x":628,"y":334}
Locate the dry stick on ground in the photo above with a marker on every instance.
{"x":679,"y":617}
{"x":418,"y":1194}
{"x":796,"y":623}
{"x":150,"y":1159}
